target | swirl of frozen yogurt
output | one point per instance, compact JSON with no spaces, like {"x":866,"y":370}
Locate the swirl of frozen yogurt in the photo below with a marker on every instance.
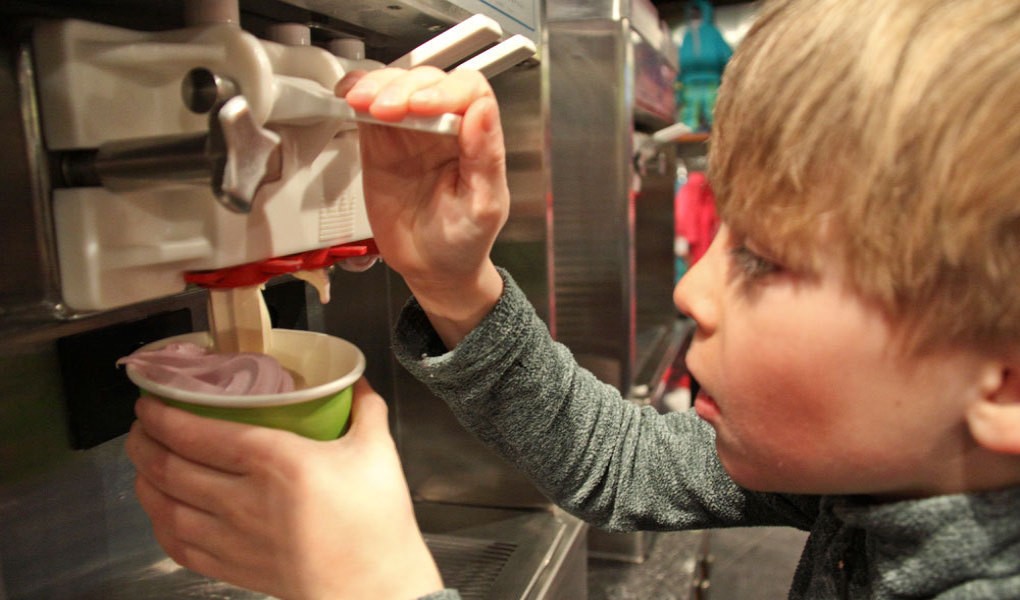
{"x":188,"y":366}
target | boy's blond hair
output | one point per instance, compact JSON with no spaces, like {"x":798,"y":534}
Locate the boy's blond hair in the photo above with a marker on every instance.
{"x":893,"y":126}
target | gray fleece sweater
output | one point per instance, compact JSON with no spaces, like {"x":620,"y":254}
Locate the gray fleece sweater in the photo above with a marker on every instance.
{"x":626,"y":468}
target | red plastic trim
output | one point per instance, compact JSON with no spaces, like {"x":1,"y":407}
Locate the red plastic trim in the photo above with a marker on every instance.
{"x":259,"y":272}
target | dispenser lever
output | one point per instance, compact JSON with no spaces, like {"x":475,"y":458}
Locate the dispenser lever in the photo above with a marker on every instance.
{"x":444,"y":50}
{"x":300,"y":101}
{"x":500,"y":57}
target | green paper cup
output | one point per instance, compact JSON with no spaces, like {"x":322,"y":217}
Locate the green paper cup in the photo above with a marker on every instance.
{"x":324,"y":368}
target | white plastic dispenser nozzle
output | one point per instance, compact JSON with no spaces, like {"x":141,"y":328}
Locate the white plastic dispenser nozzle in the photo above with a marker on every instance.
{"x":211,"y":12}
{"x":349,"y":48}
{"x":290,"y":34}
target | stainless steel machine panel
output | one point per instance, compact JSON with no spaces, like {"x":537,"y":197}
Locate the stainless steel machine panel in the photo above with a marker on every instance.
{"x":612,"y":212}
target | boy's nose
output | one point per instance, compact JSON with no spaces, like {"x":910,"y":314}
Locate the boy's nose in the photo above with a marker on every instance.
{"x":697,"y":293}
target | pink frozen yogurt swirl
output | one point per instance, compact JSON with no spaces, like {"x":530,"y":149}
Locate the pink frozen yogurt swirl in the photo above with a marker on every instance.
{"x":190,"y":367}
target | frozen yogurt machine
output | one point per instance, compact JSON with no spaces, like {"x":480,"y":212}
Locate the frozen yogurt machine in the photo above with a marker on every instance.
{"x":157,"y":148}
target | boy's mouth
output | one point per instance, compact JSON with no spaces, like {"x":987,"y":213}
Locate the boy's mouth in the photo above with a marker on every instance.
{"x":706,"y":407}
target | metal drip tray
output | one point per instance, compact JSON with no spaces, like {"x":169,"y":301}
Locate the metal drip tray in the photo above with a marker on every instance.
{"x":470,"y":566}
{"x":545,"y":560}
{"x":164,"y":579}
{"x":81,"y":535}
{"x":501,"y":554}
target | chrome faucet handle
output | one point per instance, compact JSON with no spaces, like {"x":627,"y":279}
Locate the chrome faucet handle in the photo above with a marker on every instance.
{"x":245,"y":154}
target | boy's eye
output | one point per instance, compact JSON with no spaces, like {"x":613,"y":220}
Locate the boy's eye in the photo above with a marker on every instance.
{"x":752,"y":265}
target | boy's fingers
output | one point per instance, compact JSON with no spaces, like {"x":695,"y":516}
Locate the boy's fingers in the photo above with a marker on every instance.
{"x":482,"y":165}
{"x":481,"y":138}
{"x":388,"y":94}
{"x":369,"y":413}
{"x":364,"y":91}
{"x":221,"y":445}
{"x":347,"y":82}
{"x":184,"y":522}
{"x":188,"y":555}
{"x":453,"y":93}
{"x":166,"y":515}
{"x":189,"y":482}
{"x":392,"y":101}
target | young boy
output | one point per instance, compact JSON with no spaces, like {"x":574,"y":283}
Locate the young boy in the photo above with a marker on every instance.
{"x":858,"y":333}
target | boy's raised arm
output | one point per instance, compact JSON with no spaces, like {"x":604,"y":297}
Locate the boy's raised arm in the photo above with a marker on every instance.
{"x":435,"y":203}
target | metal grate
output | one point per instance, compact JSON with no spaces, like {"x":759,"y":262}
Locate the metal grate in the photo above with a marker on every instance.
{"x":471,"y":566}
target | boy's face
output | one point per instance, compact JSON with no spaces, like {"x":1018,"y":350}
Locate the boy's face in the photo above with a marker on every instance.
{"x":806,"y":386}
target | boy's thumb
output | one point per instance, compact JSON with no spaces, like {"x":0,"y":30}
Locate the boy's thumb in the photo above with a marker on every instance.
{"x":481,"y":137}
{"x":369,"y":413}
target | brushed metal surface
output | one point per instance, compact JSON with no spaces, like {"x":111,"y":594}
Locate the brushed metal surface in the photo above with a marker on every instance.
{"x":28,"y":271}
{"x":507,"y":554}
{"x":613,"y":244}
{"x":641,"y":15}
{"x":613,"y":215}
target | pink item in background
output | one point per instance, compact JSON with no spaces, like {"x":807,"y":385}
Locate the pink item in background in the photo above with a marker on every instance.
{"x":696,"y":219}
{"x":190,"y":367}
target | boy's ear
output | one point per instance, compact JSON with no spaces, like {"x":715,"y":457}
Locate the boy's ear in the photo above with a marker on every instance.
{"x":994,"y":420}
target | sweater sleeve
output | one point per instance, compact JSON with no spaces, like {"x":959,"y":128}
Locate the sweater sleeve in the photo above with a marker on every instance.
{"x":604,"y":459}
{"x":446,"y":594}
